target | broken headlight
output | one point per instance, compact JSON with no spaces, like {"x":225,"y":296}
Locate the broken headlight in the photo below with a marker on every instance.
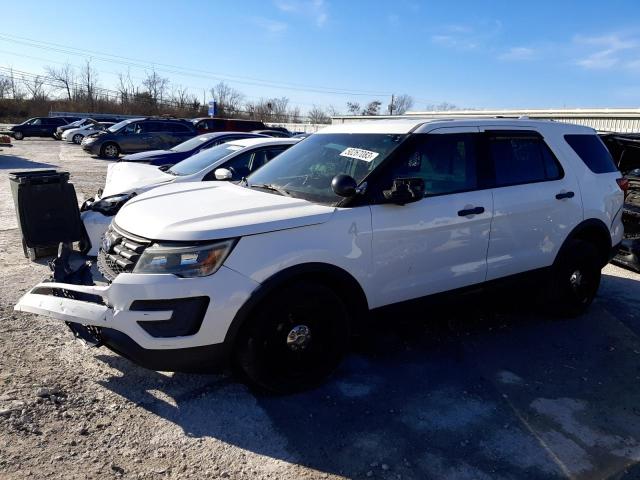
{"x":191,"y":261}
{"x":110,"y":205}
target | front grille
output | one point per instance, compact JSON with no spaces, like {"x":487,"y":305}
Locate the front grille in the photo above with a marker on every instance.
{"x":119,"y":252}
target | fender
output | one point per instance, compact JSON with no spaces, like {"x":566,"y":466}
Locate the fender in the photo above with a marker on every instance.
{"x":343,"y":283}
{"x":593,"y":229}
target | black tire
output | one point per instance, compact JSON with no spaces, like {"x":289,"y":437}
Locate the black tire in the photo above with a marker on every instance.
{"x":77,"y":139}
{"x":273,"y":352}
{"x":18,"y":135}
{"x":110,"y":150}
{"x":576,"y":278}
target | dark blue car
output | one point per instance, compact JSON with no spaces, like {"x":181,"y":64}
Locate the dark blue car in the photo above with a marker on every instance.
{"x":186,"y":149}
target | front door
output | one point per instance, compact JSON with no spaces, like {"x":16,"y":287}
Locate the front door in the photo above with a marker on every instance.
{"x":440,"y":242}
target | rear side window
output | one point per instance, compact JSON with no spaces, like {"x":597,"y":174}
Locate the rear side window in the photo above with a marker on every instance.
{"x":520,"y":158}
{"x":592,"y":152}
{"x":177,"y":127}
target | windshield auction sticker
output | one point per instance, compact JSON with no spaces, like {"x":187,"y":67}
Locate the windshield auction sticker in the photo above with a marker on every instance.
{"x":359,"y":154}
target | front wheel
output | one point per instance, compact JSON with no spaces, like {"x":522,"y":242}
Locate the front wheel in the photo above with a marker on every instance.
{"x":110,"y":150}
{"x":18,"y":135}
{"x":576,"y":278}
{"x":77,"y":139}
{"x":294,"y":340}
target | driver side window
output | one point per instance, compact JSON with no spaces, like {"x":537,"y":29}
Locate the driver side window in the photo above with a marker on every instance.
{"x":446,"y":162}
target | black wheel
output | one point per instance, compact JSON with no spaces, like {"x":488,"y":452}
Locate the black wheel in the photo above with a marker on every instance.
{"x":18,"y":135}
{"x":294,"y":340}
{"x":77,"y":139}
{"x":110,"y":150}
{"x":576,"y":278}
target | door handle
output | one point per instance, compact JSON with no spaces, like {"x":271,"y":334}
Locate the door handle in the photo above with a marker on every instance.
{"x":563,"y":195}
{"x":471,"y":211}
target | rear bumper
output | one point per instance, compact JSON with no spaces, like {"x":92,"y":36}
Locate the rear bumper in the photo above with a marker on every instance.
{"x":138,"y":315}
{"x":628,"y":254}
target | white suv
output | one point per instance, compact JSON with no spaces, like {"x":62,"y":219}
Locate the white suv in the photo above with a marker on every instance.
{"x":272,"y":275}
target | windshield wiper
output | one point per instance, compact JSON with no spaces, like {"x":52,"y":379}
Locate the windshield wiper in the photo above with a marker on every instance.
{"x":271,"y":187}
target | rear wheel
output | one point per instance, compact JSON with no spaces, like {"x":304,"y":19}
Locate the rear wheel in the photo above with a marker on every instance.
{"x":77,"y":139}
{"x":294,"y":340}
{"x":110,"y":150}
{"x":576,"y":278}
{"x":18,"y":135}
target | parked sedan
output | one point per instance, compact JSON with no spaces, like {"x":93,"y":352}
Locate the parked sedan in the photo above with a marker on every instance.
{"x":229,"y":161}
{"x":186,"y":149}
{"x":138,"y":135}
{"x":76,"y":135}
{"x":83,"y":122}
{"x":37,"y":127}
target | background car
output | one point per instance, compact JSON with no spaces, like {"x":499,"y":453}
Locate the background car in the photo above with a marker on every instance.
{"x":186,"y":149}
{"x":37,"y":127}
{"x":229,"y":161}
{"x":83,"y":122}
{"x":139,"y":135}
{"x":208,"y":125}
{"x":76,"y":135}
{"x":274,"y":133}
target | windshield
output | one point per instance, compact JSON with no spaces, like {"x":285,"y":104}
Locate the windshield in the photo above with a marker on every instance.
{"x":306,"y":169}
{"x":191,"y":144}
{"x":118,"y":126}
{"x":204,"y":159}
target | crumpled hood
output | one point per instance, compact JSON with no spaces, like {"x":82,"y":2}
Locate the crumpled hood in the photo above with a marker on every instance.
{"x":196,"y":211}
{"x":125,"y":177}
{"x":144,"y":155}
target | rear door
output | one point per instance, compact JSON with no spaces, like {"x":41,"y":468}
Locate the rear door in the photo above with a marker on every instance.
{"x":536,"y":202}
{"x":440,"y":242}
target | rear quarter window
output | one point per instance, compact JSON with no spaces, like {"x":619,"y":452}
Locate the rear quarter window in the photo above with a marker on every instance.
{"x":592,"y":152}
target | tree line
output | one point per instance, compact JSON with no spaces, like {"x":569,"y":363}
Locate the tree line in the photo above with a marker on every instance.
{"x":72,"y":89}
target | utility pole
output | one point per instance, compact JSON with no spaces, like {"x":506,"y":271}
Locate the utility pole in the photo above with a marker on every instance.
{"x":391,"y":105}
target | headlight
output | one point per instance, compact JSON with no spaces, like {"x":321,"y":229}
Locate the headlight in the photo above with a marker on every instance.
{"x":191,"y":261}
{"x":110,"y":205}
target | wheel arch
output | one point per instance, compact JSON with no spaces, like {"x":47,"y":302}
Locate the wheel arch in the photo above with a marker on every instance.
{"x":592,"y":230}
{"x":335,"y":278}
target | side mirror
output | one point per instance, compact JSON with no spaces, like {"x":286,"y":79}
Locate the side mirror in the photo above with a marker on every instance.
{"x":405,"y":190}
{"x":344,"y":185}
{"x":223,"y":174}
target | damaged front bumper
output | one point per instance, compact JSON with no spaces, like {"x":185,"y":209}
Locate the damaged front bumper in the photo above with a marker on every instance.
{"x":159,"y":321}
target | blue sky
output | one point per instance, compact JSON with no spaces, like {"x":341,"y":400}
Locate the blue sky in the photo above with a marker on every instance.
{"x":492,"y":54}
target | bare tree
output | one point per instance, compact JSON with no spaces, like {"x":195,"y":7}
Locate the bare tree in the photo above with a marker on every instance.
{"x":126,"y":88}
{"x":279,"y":109}
{"x":35,"y":87}
{"x":401,"y":103}
{"x":294,"y":115}
{"x":372,"y":108}
{"x":89,"y":78}
{"x":333,"y":111}
{"x":318,"y":115}
{"x":180,"y":96}
{"x":353,"y":108}
{"x":64,"y":76}
{"x":14,"y":86}
{"x":228,"y":99}
{"x":5,"y":87}
{"x":156,"y":86}
{"x":442,"y":107}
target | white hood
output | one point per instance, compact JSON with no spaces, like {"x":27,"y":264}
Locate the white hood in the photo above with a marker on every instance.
{"x":123,"y":177}
{"x":212,"y":210}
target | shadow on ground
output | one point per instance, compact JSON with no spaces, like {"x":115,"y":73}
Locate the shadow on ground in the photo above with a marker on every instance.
{"x":503,"y":394}
{"x":14,"y":162}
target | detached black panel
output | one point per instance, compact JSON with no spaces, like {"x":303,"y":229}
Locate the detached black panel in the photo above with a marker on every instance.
{"x":187,"y":317}
{"x":46,"y":207}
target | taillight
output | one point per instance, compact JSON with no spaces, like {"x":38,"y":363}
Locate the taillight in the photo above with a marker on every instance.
{"x":623,"y":183}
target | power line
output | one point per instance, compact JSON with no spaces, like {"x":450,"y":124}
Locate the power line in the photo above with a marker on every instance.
{"x":131,"y":62}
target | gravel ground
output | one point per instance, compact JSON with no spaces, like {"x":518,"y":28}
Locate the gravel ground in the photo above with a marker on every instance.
{"x":460,"y":394}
